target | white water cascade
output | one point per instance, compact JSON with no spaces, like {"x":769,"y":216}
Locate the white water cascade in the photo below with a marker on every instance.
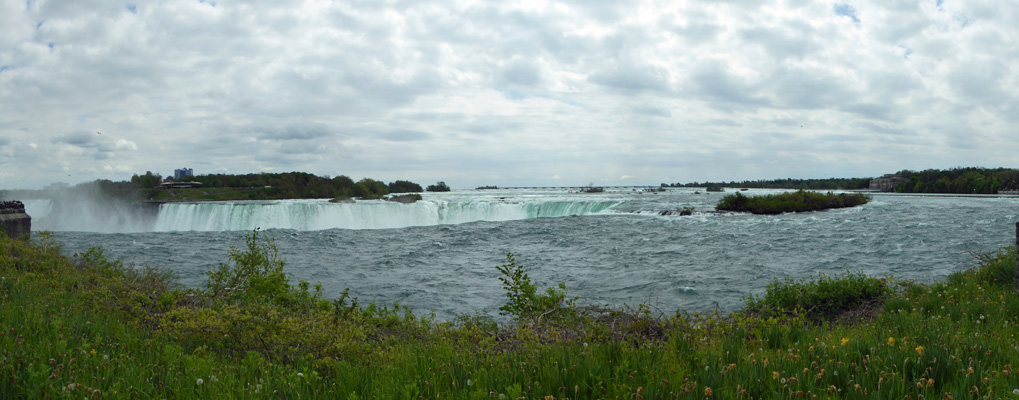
{"x":310,"y":215}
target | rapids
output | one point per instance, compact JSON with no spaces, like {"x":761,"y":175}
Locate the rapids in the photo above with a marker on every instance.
{"x":610,"y":248}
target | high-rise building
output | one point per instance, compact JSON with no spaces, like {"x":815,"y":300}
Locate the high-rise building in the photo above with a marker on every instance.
{"x":183,"y":172}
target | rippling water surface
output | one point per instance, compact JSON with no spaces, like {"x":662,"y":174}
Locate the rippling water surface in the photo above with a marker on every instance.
{"x":611,"y":248}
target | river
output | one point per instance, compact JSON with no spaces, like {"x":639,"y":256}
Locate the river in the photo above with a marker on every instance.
{"x":440,"y":254}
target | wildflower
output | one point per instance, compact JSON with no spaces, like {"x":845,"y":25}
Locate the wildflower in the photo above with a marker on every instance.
{"x":707,"y":391}
{"x":919,"y":350}
{"x":845,"y":341}
{"x":300,"y":375}
{"x":774,"y":374}
{"x":93,"y":351}
{"x":1015,"y":392}
{"x":891,"y":341}
{"x":199,"y":381}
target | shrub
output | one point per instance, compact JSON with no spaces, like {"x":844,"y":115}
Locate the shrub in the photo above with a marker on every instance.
{"x":256,"y":274}
{"x":524,"y":300}
{"x":996,"y":269}
{"x":820,"y":299}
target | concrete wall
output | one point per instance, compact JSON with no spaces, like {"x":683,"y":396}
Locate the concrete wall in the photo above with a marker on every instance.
{"x":13,"y":220}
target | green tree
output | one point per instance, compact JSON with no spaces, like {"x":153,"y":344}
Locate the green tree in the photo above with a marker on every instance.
{"x":147,"y":181}
{"x":438,"y":187}
{"x":404,"y":187}
{"x":370,"y":189}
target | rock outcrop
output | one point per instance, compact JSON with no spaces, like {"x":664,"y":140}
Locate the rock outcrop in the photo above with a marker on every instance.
{"x":13,"y":219}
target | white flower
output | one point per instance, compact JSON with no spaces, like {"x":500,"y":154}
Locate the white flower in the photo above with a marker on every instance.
{"x":1015,"y":392}
{"x":469,"y":382}
{"x":199,"y":382}
{"x":300,"y":375}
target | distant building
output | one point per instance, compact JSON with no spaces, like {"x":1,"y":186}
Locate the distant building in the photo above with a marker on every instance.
{"x":180,"y":173}
{"x":57,"y":186}
{"x":886,"y":183}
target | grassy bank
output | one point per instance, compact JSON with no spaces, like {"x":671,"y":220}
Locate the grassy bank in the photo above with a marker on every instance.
{"x":214,"y":194}
{"x":88,"y":327}
{"x":798,"y":201}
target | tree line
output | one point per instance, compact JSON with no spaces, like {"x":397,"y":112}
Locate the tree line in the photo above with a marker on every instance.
{"x":788,"y":183}
{"x":296,"y":185}
{"x":959,"y":180}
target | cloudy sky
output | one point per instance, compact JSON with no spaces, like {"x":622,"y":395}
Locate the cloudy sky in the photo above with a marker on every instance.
{"x":507,"y":93}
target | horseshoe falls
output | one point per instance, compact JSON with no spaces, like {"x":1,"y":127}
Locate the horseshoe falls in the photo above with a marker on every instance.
{"x":313,"y":215}
{"x":440,"y":254}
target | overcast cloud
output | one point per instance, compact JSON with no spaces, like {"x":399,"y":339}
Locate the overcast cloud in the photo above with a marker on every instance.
{"x":508,"y":93}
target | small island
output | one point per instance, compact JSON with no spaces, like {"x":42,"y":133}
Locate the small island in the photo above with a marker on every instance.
{"x":798,"y":201}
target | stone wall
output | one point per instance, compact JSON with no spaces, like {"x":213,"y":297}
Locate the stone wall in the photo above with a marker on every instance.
{"x":13,"y":220}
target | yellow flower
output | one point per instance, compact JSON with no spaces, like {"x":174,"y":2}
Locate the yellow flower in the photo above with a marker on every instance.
{"x":93,"y":351}
{"x":891,"y":341}
{"x":707,"y":391}
{"x":845,"y":341}
{"x":919,"y":349}
{"x":774,"y":374}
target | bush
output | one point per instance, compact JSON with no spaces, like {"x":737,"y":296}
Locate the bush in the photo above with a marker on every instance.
{"x":820,"y":299}
{"x":256,"y":274}
{"x":524,"y":300}
{"x":996,"y":269}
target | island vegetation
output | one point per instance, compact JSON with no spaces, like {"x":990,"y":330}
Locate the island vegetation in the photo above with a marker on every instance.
{"x":438,"y":187}
{"x":89,"y":327}
{"x":798,"y":201}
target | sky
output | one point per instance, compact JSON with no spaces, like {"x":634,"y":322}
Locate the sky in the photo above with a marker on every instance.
{"x":506,"y":93}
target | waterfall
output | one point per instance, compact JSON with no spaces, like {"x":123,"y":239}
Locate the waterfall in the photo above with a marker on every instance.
{"x":309,"y":215}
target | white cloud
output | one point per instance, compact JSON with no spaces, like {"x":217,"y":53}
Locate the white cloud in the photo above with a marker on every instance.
{"x":478,"y":93}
